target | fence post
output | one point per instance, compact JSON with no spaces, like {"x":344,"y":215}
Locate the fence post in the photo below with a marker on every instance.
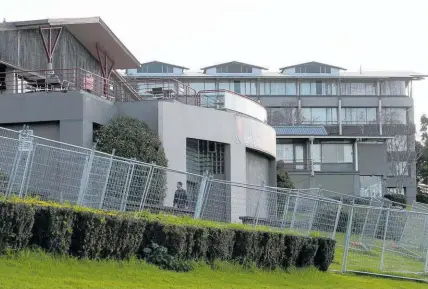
{"x":382,"y":257}
{"x":336,"y":222}
{"x":15,"y":164}
{"x":103,"y":192}
{"x":27,"y":146}
{"x":257,"y":213}
{"x":347,"y":239}
{"x":147,"y":186}
{"x":285,"y":212}
{"x":296,"y":203}
{"x":201,"y":196}
{"x":27,"y":182}
{"x":314,"y":212}
{"x":85,"y":176}
{"x":125,"y":192}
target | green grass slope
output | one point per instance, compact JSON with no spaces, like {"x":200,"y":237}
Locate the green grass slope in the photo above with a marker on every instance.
{"x":37,"y":270}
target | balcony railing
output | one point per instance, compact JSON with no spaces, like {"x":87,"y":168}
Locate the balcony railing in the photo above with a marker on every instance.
{"x":64,"y":80}
{"x":228,"y":100}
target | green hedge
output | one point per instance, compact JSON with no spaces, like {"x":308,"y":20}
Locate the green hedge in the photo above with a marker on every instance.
{"x":100,"y":235}
{"x":422,"y":198}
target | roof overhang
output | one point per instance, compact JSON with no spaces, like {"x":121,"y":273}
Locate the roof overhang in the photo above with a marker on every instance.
{"x":89,"y":32}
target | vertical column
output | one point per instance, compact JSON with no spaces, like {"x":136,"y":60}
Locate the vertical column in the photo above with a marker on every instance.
{"x":297,"y":87}
{"x":339,"y":115}
{"x":379,"y":115}
{"x":299,"y":112}
{"x":311,"y":156}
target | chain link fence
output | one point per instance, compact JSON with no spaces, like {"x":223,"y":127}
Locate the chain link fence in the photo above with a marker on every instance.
{"x":373,"y":235}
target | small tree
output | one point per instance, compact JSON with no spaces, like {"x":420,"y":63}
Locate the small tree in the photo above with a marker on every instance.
{"x":287,"y":114}
{"x":132,"y":138}
{"x":282,"y":181}
{"x":403,"y":150}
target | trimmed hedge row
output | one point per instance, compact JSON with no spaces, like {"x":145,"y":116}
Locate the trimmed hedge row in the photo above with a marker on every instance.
{"x":96,"y":235}
{"x":422,"y":198}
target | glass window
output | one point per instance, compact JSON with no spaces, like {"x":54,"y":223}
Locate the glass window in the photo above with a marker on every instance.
{"x":284,"y":152}
{"x":209,"y":85}
{"x":278,"y":87}
{"x":358,"y":115}
{"x":337,"y":153}
{"x":265,"y":88}
{"x":224,"y":84}
{"x":370,"y":186}
{"x":397,"y":87}
{"x":397,"y":144}
{"x":358,"y":88}
{"x":319,"y":115}
{"x":237,"y":86}
{"x":290,"y":88}
{"x":398,"y":169}
{"x":305,"y":88}
{"x":198,"y":86}
{"x":400,"y":191}
{"x":393,"y":115}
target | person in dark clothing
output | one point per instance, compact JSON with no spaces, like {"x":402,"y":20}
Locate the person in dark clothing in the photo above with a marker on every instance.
{"x":180,"y":197}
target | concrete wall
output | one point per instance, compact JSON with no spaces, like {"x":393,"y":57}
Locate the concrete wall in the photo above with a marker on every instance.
{"x":178,"y":122}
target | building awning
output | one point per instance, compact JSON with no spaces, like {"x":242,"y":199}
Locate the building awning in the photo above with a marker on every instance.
{"x":88,"y":32}
{"x":300,"y":130}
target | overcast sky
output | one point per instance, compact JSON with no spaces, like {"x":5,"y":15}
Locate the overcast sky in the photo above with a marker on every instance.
{"x":375,"y":34}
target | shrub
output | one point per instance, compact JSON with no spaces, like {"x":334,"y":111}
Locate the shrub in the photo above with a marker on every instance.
{"x":422,"y":198}
{"x":132,"y":138}
{"x":307,"y":254}
{"x":16,"y":221}
{"x":53,"y":228}
{"x":398,"y":198}
{"x":325,"y":253}
{"x":220,"y":244}
{"x":88,"y":236}
{"x":4,"y":179}
{"x":88,"y":233}
{"x":158,"y":255}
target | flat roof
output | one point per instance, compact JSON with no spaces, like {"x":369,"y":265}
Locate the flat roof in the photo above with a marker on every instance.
{"x":89,"y":31}
{"x":355,"y":75}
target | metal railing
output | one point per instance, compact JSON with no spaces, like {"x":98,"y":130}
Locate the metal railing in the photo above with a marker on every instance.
{"x":50,"y":170}
{"x":232,"y":101}
{"x":374,"y":235}
{"x":64,"y":80}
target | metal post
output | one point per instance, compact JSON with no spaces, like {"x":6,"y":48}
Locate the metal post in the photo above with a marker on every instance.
{"x":384,"y":240}
{"x":296,"y":203}
{"x":27,"y":145}
{"x":147,"y":186}
{"x":201,"y":196}
{"x":347,"y":239}
{"x":85,"y":176}
{"x":24,"y":187}
{"x":365,"y":220}
{"x":256,"y":217}
{"x":15,"y":165}
{"x":285,"y":213}
{"x":426,"y":263}
{"x":336,"y":222}
{"x":103,"y":193}
{"x":125,"y":192}
{"x":314,"y":212}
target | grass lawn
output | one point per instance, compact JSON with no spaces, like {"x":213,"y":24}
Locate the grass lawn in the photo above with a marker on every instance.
{"x":29,"y":269}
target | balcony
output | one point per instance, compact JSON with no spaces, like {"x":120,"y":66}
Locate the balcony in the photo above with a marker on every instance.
{"x":231,"y":101}
{"x":64,"y":80}
{"x":308,"y":165}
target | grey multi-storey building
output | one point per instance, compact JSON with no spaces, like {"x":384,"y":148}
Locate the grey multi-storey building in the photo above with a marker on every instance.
{"x":351,"y":132}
